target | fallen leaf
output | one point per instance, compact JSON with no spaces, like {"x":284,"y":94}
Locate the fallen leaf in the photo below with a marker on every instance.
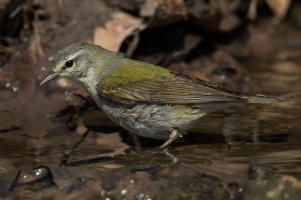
{"x":199,"y":75}
{"x":260,"y":43}
{"x":229,"y":22}
{"x":149,"y":8}
{"x":168,"y":7}
{"x":279,"y":7}
{"x":287,"y":67}
{"x":116,"y":30}
{"x":174,"y":7}
{"x":252,"y":10}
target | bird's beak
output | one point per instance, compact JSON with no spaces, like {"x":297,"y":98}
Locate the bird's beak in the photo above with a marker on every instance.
{"x":50,"y":77}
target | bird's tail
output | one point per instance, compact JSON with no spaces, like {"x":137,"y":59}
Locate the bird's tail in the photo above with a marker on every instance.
{"x":262,"y":99}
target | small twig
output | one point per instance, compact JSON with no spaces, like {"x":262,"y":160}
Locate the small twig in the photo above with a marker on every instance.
{"x":67,"y":153}
{"x":174,"y":159}
{"x":88,"y":160}
{"x":12,"y":128}
{"x":133,"y":44}
{"x":252,"y":11}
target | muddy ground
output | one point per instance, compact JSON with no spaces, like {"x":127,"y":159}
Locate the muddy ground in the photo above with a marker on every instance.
{"x":56,"y":144}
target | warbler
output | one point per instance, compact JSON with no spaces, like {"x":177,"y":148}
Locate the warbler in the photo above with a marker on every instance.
{"x":145,"y":99}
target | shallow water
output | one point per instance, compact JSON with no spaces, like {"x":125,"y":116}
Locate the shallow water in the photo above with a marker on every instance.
{"x":260,"y":135}
{"x":266,"y":133}
{"x":32,"y":134}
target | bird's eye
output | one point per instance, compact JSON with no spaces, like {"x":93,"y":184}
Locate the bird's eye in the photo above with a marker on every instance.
{"x":69,"y":63}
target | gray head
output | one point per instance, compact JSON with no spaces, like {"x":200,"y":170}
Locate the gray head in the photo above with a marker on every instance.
{"x":76,"y":60}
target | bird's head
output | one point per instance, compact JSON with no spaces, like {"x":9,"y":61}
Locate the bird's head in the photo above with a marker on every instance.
{"x":78,"y":61}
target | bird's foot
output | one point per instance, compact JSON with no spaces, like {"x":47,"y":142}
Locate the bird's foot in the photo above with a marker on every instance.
{"x":137,"y":144}
{"x":174,"y":159}
{"x":172,"y":137}
{"x":67,"y":154}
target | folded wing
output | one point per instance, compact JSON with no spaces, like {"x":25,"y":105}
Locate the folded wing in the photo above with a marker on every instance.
{"x":137,"y":82}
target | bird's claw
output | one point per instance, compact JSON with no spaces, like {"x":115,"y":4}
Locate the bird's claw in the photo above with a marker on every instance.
{"x":172,"y":137}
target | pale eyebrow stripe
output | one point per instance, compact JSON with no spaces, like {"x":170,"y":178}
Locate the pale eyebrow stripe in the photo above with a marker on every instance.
{"x":75,"y":55}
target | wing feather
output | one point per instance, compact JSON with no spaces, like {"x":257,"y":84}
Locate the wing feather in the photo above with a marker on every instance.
{"x":138,"y":82}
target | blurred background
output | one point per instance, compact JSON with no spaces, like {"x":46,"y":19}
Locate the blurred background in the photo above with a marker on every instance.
{"x":56,"y":144}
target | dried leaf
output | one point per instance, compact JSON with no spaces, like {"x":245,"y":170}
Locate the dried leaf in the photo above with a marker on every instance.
{"x":149,"y":8}
{"x":260,"y":44}
{"x":169,"y":7}
{"x":116,"y":30}
{"x":36,"y":51}
{"x":173,"y":7}
{"x":252,"y":10}
{"x":229,"y":22}
{"x":279,"y":7}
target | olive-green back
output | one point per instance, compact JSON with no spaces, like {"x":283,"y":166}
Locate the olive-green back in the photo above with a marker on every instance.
{"x":137,"y":82}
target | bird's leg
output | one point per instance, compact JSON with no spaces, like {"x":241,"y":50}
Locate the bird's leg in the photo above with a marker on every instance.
{"x":174,"y":159}
{"x":67,"y":153}
{"x":172,"y":137}
{"x":136,"y":141}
